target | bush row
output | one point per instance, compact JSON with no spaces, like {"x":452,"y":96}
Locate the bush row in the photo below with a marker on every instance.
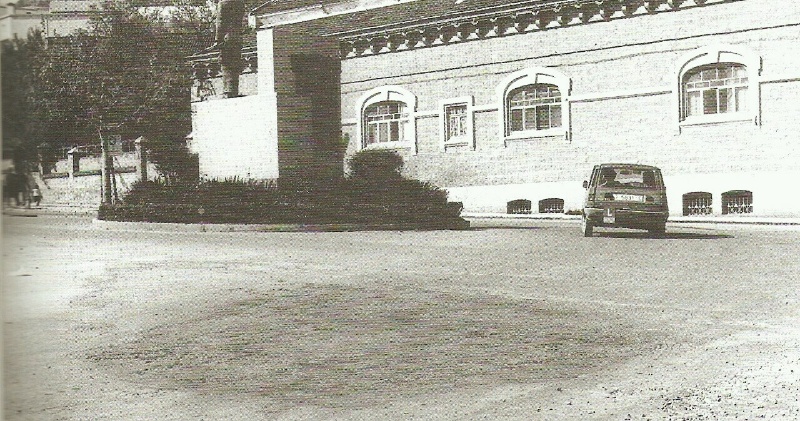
{"x":379,"y":196}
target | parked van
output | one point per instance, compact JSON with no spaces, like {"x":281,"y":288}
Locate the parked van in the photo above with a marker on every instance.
{"x":625,"y":196}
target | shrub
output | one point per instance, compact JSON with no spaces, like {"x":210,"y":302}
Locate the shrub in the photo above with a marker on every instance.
{"x":375,"y":165}
{"x":373,"y":195}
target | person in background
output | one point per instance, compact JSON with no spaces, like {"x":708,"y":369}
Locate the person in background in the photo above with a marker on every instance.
{"x":36,"y":195}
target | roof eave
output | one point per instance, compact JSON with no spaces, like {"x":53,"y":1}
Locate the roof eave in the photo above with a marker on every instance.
{"x":261,"y":20}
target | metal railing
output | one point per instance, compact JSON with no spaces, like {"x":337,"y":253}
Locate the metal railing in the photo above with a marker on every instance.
{"x":737,"y":201}
{"x":206,"y":65}
{"x":94,"y":150}
{"x":697,"y":203}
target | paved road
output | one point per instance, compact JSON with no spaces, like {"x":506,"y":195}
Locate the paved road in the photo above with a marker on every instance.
{"x":527,"y":320}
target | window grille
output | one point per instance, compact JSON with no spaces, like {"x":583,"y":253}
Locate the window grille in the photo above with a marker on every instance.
{"x":737,"y":201}
{"x":519,"y":206}
{"x":716,"y":89}
{"x":697,"y":203}
{"x":551,"y":205}
{"x":385,"y":122}
{"x":534,"y":107}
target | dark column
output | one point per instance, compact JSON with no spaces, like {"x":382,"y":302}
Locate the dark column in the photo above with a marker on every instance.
{"x":141,"y":151}
{"x":230,"y":14}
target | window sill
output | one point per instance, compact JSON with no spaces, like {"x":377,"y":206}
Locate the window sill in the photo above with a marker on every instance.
{"x":535,"y":134}
{"x":456,"y":143}
{"x":716,"y":119}
{"x":390,"y":145}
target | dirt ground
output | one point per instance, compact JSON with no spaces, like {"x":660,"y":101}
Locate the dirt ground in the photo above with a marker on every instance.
{"x":361,"y":326}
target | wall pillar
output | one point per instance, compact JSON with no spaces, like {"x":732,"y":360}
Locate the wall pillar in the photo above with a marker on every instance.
{"x":73,"y":162}
{"x":141,"y":165}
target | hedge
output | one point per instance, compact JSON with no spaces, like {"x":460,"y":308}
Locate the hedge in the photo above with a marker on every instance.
{"x":373,"y":196}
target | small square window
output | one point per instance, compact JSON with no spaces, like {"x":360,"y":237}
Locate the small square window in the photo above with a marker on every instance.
{"x":455,"y":122}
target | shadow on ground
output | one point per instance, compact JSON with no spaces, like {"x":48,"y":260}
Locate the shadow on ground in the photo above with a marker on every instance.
{"x":338,"y":346}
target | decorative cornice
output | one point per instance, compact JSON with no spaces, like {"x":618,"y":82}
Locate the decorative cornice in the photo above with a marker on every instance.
{"x":206,"y":65}
{"x":531,"y":18}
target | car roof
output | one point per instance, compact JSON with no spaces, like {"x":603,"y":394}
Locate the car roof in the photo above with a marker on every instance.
{"x":628,"y":165}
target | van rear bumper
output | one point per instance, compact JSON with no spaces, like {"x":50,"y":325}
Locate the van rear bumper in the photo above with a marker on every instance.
{"x":626,"y":218}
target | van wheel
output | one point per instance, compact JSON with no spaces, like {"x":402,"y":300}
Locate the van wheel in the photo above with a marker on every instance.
{"x":586,"y":226}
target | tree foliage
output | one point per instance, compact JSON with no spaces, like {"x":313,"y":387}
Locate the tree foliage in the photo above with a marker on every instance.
{"x":127,"y":74}
{"x":17,"y":80}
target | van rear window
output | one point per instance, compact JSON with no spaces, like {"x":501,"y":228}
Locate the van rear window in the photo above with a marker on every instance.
{"x":627,"y":177}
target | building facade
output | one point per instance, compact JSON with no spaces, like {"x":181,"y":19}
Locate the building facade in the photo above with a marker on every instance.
{"x":515,"y":101}
{"x":16,"y":22}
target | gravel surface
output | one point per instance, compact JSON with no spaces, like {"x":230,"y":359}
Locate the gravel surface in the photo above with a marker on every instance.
{"x":527,"y":320}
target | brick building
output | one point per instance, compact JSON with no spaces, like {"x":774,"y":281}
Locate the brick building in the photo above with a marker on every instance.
{"x":518,"y":99}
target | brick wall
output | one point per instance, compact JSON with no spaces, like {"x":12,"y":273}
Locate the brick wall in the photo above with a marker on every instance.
{"x":306,"y":74}
{"x":622,"y":106}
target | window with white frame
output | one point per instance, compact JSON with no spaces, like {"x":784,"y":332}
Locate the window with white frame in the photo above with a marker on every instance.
{"x":386,"y":118}
{"x":385,"y":122}
{"x":534,"y":103}
{"x":715,"y":89}
{"x":534,"y":107}
{"x":717,"y":84}
{"x":455,"y":121}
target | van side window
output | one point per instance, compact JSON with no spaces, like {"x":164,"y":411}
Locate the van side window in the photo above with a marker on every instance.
{"x":593,"y":178}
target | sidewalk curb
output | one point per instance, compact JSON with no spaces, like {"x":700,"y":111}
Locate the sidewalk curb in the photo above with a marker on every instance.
{"x":310,"y":228}
{"x":742,"y":220}
{"x":51,"y":210}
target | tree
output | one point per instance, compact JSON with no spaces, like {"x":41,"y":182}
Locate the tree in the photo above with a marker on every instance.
{"x":17,"y":68}
{"x":126,"y":75}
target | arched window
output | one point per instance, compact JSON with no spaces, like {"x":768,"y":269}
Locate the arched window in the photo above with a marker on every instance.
{"x":534,"y":107}
{"x":718,"y":84}
{"x":534,"y":103}
{"x":384,"y":122}
{"x":387,"y":118}
{"x":715,"y":89}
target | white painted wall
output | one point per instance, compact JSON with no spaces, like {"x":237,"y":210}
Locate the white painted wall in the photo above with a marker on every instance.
{"x":772,"y":192}
{"x":236,"y":137}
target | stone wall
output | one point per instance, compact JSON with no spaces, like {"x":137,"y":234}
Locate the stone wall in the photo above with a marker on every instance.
{"x":83,"y":190}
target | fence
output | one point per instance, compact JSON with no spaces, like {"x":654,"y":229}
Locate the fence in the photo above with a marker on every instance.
{"x":95,"y":150}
